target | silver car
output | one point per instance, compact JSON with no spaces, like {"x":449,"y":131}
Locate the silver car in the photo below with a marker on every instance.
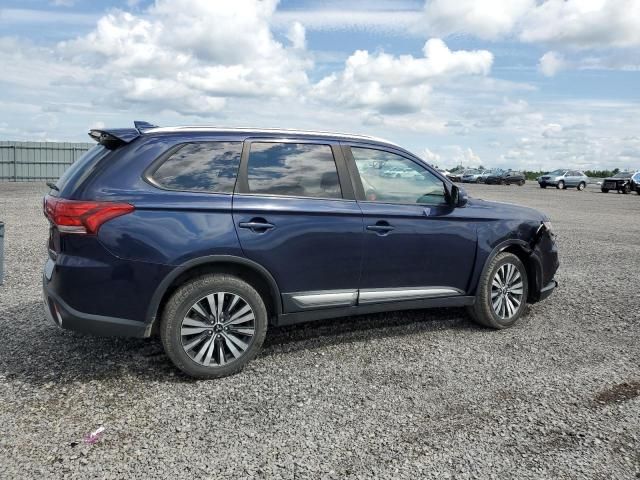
{"x":471,"y":176}
{"x":561,"y":179}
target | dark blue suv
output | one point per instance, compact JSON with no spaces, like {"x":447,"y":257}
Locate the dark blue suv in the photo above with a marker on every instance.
{"x":206,"y":236}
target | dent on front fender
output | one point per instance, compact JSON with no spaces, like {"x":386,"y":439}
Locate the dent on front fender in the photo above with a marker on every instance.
{"x":499,"y":235}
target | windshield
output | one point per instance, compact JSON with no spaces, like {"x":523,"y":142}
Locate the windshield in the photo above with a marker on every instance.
{"x":622,"y":175}
{"x":557,"y":172}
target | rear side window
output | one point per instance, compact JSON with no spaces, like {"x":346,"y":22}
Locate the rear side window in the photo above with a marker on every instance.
{"x":201,"y":167}
{"x":74,"y":176}
{"x":294,"y":169}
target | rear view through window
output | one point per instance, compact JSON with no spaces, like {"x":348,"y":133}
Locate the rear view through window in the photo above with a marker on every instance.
{"x":296,"y":169}
{"x":209,"y":167}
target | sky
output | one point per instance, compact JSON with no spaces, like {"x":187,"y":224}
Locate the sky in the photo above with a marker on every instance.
{"x":523,"y":84}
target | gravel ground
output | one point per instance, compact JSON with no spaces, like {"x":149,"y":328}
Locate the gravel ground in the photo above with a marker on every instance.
{"x":417,"y":394}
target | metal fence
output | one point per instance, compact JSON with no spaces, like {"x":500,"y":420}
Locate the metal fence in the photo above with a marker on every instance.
{"x":37,"y":161}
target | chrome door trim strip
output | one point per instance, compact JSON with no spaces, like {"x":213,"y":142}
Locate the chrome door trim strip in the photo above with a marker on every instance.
{"x":379,"y":295}
{"x":324,"y":298}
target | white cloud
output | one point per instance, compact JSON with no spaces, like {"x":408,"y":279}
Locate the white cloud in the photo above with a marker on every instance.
{"x":584,"y":23}
{"x":551,"y":63}
{"x":399,"y":84}
{"x":190,"y":55}
{"x":455,"y":155}
{"x":579,"y":24}
{"x":297,"y":35}
{"x":488,"y":19}
{"x":430,"y":157}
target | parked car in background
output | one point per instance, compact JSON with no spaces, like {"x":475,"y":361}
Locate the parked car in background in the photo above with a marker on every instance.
{"x":563,"y":178}
{"x":635,"y":182}
{"x":213,"y":235}
{"x":444,"y":172}
{"x":456,"y":176}
{"x":482,"y":178}
{"x":622,"y":182}
{"x":506,"y":178}
{"x":471,"y":176}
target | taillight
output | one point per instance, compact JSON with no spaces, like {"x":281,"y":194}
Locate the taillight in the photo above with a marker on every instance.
{"x":77,"y":216}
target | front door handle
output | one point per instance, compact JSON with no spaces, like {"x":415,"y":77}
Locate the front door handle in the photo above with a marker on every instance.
{"x":381,"y":228}
{"x":257,"y":225}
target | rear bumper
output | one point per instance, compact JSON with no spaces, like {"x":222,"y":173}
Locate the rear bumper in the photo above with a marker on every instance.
{"x":66,"y":317}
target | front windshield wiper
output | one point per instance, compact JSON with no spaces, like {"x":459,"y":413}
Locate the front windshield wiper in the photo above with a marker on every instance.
{"x":53,"y":186}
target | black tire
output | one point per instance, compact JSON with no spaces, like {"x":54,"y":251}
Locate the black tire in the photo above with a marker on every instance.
{"x":181,"y":302}
{"x":542,"y":185}
{"x":604,"y":190}
{"x":561,"y":185}
{"x":581,"y":186}
{"x":482,"y":310}
{"x":626,"y":189}
{"x":521,"y":183}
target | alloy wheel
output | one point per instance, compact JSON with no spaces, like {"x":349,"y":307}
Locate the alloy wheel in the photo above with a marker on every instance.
{"x":507,"y":290}
{"x":218,"y":329}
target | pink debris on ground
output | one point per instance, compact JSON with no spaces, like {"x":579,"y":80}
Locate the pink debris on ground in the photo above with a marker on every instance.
{"x":93,"y":437}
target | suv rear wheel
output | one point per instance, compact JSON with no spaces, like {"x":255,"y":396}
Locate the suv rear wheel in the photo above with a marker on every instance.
{"x":502,"y":292}
{"x":581,"y":186}
{"x":213,"y":326}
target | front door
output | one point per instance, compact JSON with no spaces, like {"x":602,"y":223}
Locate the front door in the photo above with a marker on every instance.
{"x":416,"y":246}
{"x":296,"y":215}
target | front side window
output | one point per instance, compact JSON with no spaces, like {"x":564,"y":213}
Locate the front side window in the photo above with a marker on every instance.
{"x":201,"y":167}
{"x":387,"y":177}
{"x":293,"y":169}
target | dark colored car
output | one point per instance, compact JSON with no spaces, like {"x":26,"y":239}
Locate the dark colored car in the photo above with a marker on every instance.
{"x":506,"y":178}
{"x":206,"y":236}
{"x":623,"y":182}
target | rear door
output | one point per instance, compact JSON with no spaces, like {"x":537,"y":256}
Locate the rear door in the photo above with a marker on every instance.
{"x":295,"y":214}
{"x":572,"y":178}
{"x":416,"y":245}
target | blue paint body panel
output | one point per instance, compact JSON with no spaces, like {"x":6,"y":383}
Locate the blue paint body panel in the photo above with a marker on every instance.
{"x":123,"y":272}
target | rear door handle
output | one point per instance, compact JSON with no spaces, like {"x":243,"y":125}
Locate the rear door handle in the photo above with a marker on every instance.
{"x":257,"y":225}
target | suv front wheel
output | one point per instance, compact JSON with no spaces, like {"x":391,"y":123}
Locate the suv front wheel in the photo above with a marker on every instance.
{"x":213,"y":326}
{"x":502,"y":292}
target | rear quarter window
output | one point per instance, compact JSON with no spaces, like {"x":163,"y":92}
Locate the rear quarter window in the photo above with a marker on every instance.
{"x":201,"y":167}
{"x":74,"y":176}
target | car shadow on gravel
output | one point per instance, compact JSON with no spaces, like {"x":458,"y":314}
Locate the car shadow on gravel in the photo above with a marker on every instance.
{"x":36,"y":351}
{"x":364,"y":328}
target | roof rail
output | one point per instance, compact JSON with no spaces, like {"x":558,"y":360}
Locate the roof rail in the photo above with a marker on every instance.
{"x":142,"y":125}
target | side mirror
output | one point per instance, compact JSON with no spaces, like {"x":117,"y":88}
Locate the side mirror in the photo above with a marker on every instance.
{"x":458,"y":196}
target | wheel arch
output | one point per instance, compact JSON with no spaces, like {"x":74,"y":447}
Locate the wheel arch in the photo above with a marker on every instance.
{"x":248,"y":270}
{"x":525,"y":253}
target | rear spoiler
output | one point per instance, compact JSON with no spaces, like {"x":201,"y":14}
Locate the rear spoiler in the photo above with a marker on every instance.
{"x":113,"y":138}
